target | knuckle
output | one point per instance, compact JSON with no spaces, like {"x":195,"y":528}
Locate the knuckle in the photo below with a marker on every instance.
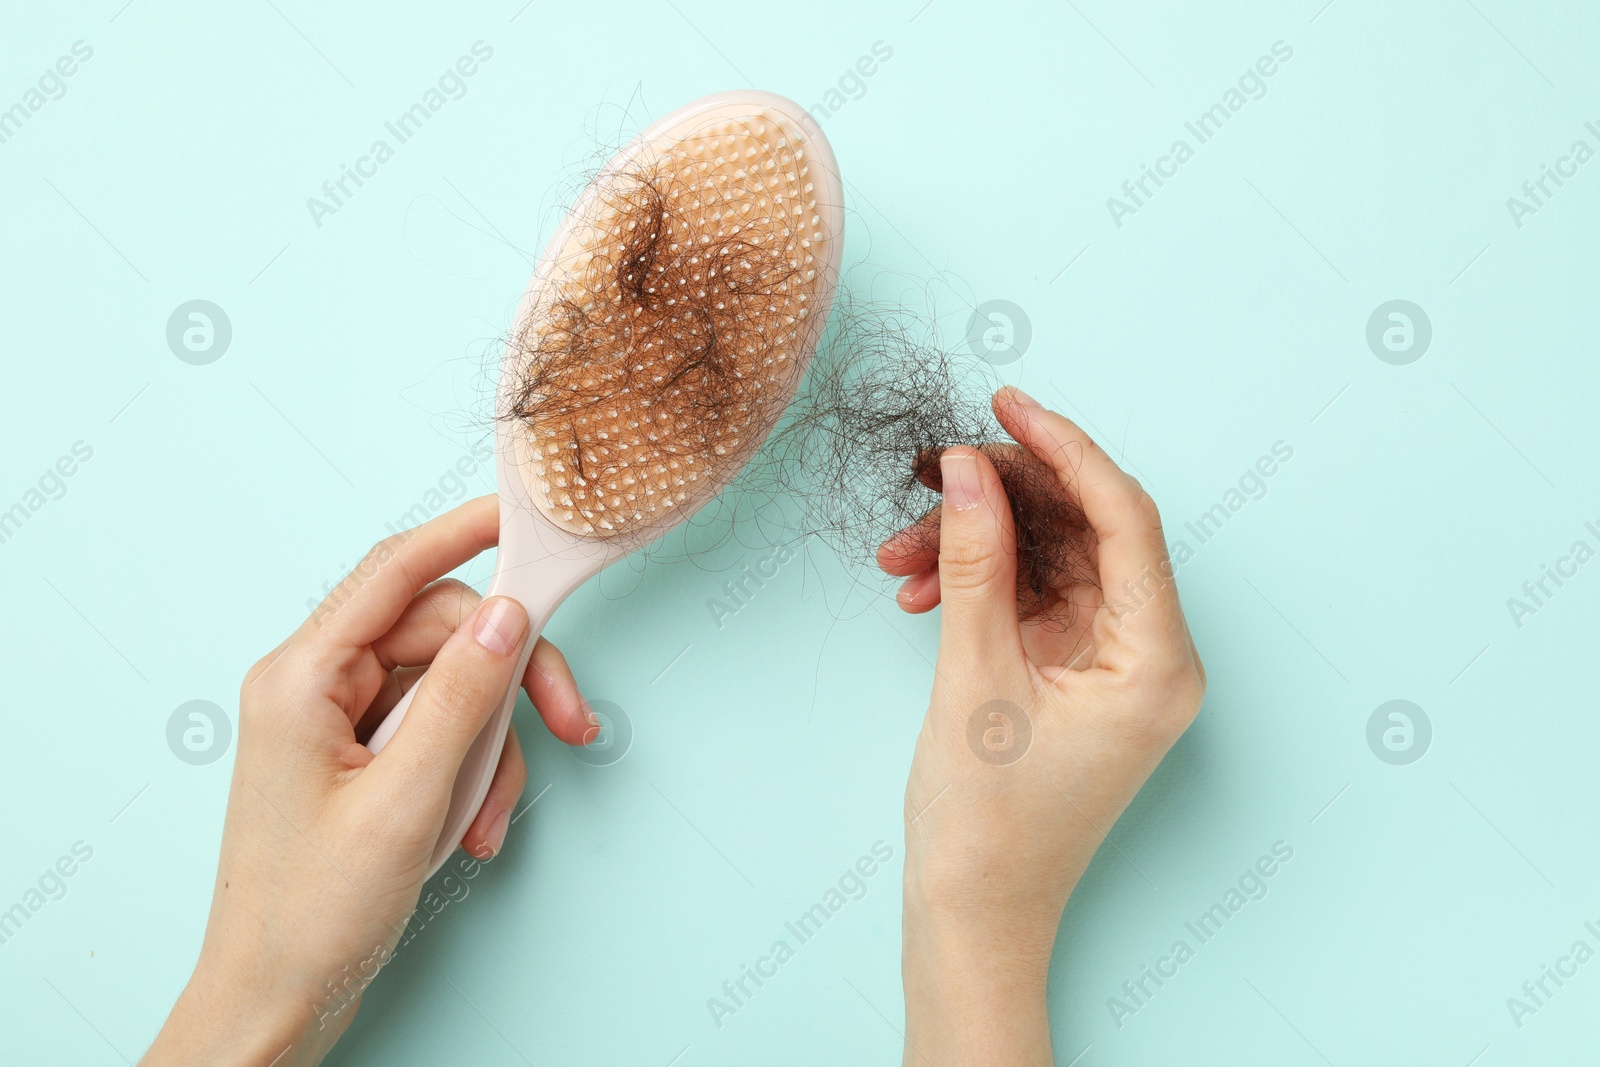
{"x":966,"y":565}
{"x":964,"y":575}
{"x":459,"y":694}
{"x":380,"y":558}
{"x":378,"y":555}
{"x":517,"y":776}
{"x":1194,"y":690}
{"x":390,"y":545}
{"x":1184,"y":691}
{"x":1171,"y":692}
{"x":1143,"y":506}
{"x":453,"y":597}
{"x":262,"y":667}
{"x":453,"y":587}
{"x":278,"y":678}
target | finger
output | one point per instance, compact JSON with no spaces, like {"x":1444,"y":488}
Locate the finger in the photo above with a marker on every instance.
{"x":554,"y":691}
{"x":487,"y":834}
{"x":369,"y":601}
{"x":919,"y":593}
{"x":427,"y":622}
{"x":548,"y":680}
{"x":977,"y":566}
{"x":1134,"y":569}
{"x":396,"y":684}
{"x":430,"y":618}
{"x":913,"y":549}
{"x":926,"y":465}
{"x":463,"y":686}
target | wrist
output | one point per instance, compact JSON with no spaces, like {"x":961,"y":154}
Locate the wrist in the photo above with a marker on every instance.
{"x":220,"y":1019}
{"x":951,"y":949}
{"x":967,"y":912}
{"x":973,"y":994}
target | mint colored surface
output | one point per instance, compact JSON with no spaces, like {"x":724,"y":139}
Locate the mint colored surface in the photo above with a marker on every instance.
{"x":177,"y":515}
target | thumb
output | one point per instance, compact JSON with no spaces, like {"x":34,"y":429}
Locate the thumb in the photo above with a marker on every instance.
{"x":977,"y":564}
{"x":463,"y":686}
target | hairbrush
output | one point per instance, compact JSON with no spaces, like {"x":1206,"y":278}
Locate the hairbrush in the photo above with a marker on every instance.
{"x":663,"y":333}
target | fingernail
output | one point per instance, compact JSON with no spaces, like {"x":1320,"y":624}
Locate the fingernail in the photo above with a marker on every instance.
{"x":962,"y":488}
{"x":593,"y":729}
{"x":1024,"y":399}
{"x":500,"y":625}
{"x":496,"y":838}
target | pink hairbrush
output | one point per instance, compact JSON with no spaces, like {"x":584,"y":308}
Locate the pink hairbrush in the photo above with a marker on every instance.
{"x":661,"y":337}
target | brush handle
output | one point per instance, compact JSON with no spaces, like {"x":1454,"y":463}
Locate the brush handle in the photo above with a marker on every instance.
{"x":539,"y":571}
{"x":477,"y":769}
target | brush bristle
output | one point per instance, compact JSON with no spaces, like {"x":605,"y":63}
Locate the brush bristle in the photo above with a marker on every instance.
{"x":674,"y":326}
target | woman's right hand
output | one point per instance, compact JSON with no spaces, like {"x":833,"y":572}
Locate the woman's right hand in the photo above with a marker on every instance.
{"x":1037,"y":735}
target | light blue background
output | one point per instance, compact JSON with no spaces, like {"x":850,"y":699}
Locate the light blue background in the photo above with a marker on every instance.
{"x":1229,"y":313}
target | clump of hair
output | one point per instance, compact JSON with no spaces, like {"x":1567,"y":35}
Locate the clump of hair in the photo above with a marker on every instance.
{"x":679,"y":308}
{"x":861,"y":445}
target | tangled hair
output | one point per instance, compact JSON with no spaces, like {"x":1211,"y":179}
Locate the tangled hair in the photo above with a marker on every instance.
{"x":862,"y":442}
{"x":670,"y":327}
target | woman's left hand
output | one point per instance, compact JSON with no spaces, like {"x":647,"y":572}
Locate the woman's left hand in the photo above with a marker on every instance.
{"x":325,"y":847}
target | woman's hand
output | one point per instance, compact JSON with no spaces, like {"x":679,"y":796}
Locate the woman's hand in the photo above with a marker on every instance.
{"x":325,"y":846}
{"x":1037,"y":736}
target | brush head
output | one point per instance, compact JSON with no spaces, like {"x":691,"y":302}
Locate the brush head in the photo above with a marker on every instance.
{"x":674,"y":316}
